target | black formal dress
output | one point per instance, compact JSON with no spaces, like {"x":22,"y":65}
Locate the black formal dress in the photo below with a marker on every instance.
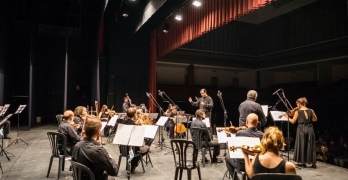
{"x":305,"y":139}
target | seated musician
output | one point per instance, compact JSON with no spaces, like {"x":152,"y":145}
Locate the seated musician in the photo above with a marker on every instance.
{"x":269,"y":161}
{"x":66,"y":128}
{"x":143,"y":108}
{"x":6,"y":127}
{"x":171,"y":121}
{"x":131,"y":121}
{"x":251,"y":122}
{"x":198,"y":123}
{"x":104,"y":113}
{"x":80,"y":115}
{"x":90,"y":153}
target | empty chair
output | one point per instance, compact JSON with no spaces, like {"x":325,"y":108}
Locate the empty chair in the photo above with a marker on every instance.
{"x":57,"y":141}
{"x":185,"y":157}
{"x":79,"y":168}
{"x":276,"y":176}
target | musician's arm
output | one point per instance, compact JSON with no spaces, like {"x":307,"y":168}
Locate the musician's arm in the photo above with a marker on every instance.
{"x":294,"y":119}
{"x":314,"y":116}
{"x":249,"y":169}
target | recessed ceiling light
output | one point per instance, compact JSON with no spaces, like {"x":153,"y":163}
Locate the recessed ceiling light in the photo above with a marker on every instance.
{"x":197,"y":3}
{"x":178,"y":17}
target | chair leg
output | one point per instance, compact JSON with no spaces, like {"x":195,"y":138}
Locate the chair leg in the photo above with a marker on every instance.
{"x":188,"y":174}
{"x":142,"y":163}
{"x":147,"y":155}
{"x":181,"y":170}
{"x":199,"y":173}
{"x":60,"y":166}
{"x":203,"y":156}
{"x":119,"y":163}
{"x":176,"y":173}
{"x":63,"y":163}
{"x":49,"y":167}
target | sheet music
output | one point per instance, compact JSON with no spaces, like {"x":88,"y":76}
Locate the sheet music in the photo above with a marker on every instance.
{"x":222,"y":136}
{"x":122,"y":134}
{"x":265,"y":109}
{"x":113,"y":120}
{"x":207,"y":122}
{"x":162,"y":120}
{"x":4,"y":109}
{"x":276,"y":114}
{"x":239,"y":141}
{"x":103,"y":126}
{"x":137,"y":136}
{"x":20,"y":109}
{"x":150,"y":131}
{"x":5,"y":119}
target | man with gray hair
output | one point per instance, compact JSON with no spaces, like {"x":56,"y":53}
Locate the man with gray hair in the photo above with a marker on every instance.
{"x":250,"y":106}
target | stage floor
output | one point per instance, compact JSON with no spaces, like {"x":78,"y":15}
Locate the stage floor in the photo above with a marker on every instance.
{"x":31,"y":162}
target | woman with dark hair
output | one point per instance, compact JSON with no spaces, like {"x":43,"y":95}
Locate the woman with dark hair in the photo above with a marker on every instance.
{"x":305,"y":137}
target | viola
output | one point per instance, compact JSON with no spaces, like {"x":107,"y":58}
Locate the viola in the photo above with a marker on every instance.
{"x":252,"y":150}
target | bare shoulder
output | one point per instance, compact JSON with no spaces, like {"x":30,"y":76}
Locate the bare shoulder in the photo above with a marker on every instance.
{"x":290,"y":168}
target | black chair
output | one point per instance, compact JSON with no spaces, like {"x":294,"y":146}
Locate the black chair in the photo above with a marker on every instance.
{"x":185,"y":159}
{"x":79,"y":168}
{"x":59,"y":118}
{"x":200,"y":136}
{"x":276,"y":176}
{"x":241,"y":175}
{"x":148,"y":142}
{"x":56,"y":139}
{"x":124,"y":152}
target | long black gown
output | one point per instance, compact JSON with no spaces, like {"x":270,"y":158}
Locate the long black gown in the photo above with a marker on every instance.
{"x":305,"y":139}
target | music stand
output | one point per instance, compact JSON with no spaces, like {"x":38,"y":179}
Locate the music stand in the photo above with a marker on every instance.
{"x":19,"y":110}
{"x":2,"y":139}
{"x":219,"y":94}
{"x":4,"y":109}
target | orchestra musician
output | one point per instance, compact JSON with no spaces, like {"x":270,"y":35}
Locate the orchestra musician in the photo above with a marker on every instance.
{"x":172,"y":121}
{"x":251,"y":106}
{"x":143,"y":108}
{"x":104,"y":113}
{"x":269,"y":161}
{"x":80,"y":115}
{"x":90,"y":153}
{"x":205,"y":102}
{"x":198,"y":123}
{"x":251,"y":122}
{"x":169,"y":109}
{"x":5,"y":126}
{"x":67,"y":128}
{"x":305,"y":138}
{"x":126,"y":104}
{"x":131,"y":121}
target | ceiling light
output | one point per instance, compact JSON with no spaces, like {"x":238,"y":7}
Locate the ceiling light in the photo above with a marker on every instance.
{"x":166,"y":28}
{"x":197,"y":3}
{"x":125,"y":13}
{"x":178,"y":17}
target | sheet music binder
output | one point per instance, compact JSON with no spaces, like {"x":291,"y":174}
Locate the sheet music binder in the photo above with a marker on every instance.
{"x":4,"y":109}
{"x":129,"y":135}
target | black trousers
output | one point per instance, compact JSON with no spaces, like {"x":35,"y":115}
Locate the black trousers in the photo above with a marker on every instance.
{"x":6,"y":127}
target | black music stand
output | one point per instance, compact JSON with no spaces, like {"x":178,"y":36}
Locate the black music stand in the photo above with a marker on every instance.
{"x":19,"y":110}
{"x":219,"y":94}
{"x":2,"y":139}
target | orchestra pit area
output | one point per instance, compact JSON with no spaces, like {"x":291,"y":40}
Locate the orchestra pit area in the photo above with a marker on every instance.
{"x":31,"y":161}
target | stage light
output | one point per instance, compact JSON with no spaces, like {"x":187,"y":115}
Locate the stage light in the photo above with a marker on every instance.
{"x":178,"y":17}
{"x":125,"y":13}
{"x":197,"y":3}
{"x":166,"y":28}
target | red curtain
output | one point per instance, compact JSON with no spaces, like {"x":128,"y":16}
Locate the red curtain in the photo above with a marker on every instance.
{"x":152,"y":69}
{"x":197,"y":21}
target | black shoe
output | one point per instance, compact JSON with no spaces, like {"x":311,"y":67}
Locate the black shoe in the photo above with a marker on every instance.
{"x":7,"y":136}
{"x":314,"y":166}
{"x":217,"y":161}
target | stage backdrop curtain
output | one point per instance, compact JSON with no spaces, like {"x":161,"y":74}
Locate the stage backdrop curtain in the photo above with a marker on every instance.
{"x":152,"y":70}
{"x":198,"y":21}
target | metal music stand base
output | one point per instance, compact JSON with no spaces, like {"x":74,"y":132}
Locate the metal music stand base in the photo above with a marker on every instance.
{"x":16,"y":142}
{"x":161,"y":144}
{"x":3,"y":151}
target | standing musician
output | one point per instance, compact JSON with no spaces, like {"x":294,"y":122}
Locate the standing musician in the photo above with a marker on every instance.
{"x":305,"y":137}
{"x":6,"y":126}
{"x":90,"y":153}
{"x":126,"y":104}
{"x":67,"y":128}
{"x":251,"y":106}
{"x":206,"y":103}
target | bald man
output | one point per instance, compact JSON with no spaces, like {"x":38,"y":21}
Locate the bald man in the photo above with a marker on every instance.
{"x":69,"y":131}
{"x":251,"y":122}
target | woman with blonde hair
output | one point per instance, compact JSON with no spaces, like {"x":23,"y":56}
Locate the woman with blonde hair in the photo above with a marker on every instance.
{"x":269,"y":161}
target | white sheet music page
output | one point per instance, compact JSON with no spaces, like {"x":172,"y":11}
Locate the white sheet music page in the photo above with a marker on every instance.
{"x":238,"y":142}
{"x":103,"y":126}
{"x":137,"y":136}
{"x":207,"y":122}
{"x":221,"y":135}
{"x":122,"y":134}
{"x":278,"y":116}
{"x":113,"y":120}
{"x":150,"y":131}
{"x":162,"y":120}
{"x":265,"y":109}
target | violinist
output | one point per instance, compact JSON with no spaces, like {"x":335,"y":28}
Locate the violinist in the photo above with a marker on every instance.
{"x":139,"y":117}
{"x":143,"y":108}
{"x":67,"y":128}
{"x":80,"y":115}
{"x":269,"y":161}
{"x":169,"y":109}
{"x":251,"y":121}
{"x":305,"y":138}
{"x":104,"y":113}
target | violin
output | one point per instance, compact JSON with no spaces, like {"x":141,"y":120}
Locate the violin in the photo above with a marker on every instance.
{"x":247,"y":149}
{"x":231,"y":129}
{"x":290,"y":113}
